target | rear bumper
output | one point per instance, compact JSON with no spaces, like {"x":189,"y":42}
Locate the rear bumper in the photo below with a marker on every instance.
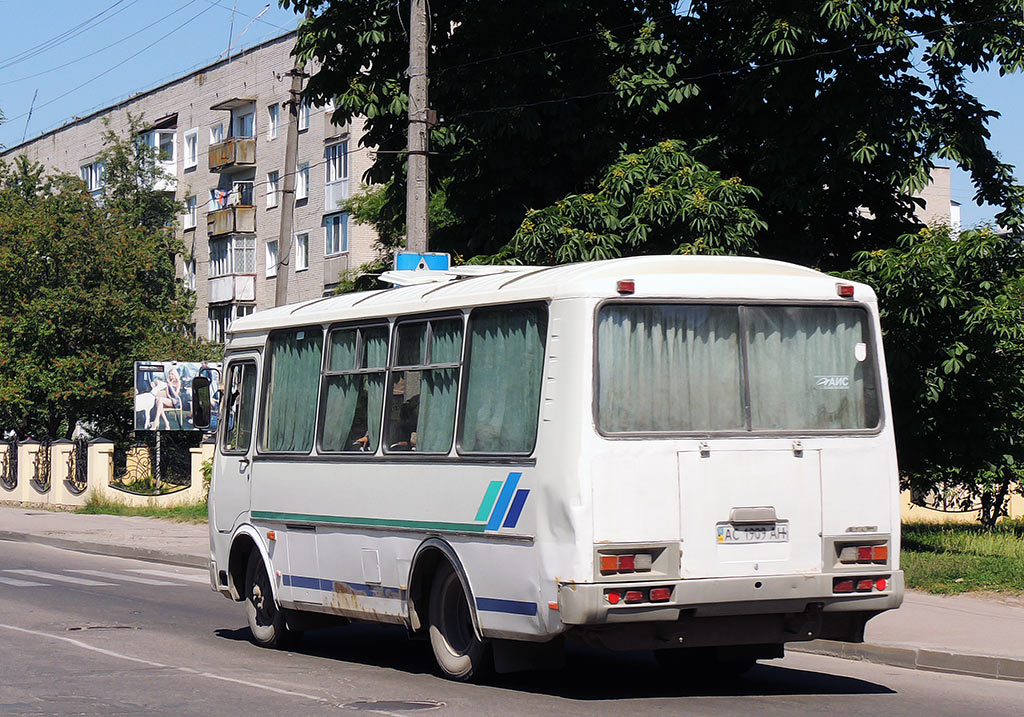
{"x":585,"y":603}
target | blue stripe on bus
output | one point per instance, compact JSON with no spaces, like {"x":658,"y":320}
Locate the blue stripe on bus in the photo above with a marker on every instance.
{"x":503,"y":500}
{"x":517,"y":507}
{"x":379,"y":591}
{"x":515,"y":607}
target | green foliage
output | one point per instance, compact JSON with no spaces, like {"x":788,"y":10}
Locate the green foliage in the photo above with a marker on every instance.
{"x":207,"y":468}
{"x":955,"y":558}
{"x":952,"y":311}
{"x":658,"y":200}
{"x":88,"y":289}
{"x":185,"y":513}
{"x":826,"y":107}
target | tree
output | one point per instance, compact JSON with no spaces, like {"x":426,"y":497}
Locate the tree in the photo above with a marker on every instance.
{"x":658,"y":200}
{"x":828,"y":107}
{"x":88,"y":289}
{"x":952,"y":312}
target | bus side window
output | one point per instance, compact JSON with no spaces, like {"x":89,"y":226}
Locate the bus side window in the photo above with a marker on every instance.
{"x":424,"y":386}
{"x":353,"y":389}
{"x":504,"y":365}
{"x":239,"y":406}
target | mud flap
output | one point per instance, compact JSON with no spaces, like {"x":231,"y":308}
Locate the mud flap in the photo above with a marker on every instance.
{"x":806,"y":625}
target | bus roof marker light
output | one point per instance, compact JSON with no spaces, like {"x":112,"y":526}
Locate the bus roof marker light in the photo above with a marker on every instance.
{"x":625,"y":286}
{"x":845,"y":290}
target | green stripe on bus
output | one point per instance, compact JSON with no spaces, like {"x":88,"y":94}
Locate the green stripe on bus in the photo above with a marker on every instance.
{"x":376,"y":522}
{"x":488,"y":502}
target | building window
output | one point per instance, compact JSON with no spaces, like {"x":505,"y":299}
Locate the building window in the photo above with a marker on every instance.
{"x":272,"y":258}
{"x":302,"y":251}
{"x":244,"y":124}
{"x":218,"y":199}
{"x":273,"y":120}
{"x":273,"y":188}
{"x":303,"y":116}
{"x":191,"y":148}
{"x":217,"y":133}
{"x":336,"y":234}
{"x":190,"y":212}
{"x":241,"y":194}
{"x":234,"y":255}
{"x":302,"y":181}
{"x":336,"y":160}
{"x":220,"y":318}
{"x":190,"y":274}
{"x":92,"y":175}
{"x":162,"y":140}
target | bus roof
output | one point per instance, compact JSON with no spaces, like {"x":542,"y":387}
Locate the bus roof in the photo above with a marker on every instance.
{"x":654,"y":276}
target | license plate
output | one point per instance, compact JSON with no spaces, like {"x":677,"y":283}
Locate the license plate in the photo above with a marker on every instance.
{"x":739,"y":534}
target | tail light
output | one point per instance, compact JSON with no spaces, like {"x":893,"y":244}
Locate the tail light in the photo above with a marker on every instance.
{"x":633,"y":596}
{"x":629,"y":563}
{"x":850,"y":554}
{"x":860,"y":585}
{"x":660,"y":594}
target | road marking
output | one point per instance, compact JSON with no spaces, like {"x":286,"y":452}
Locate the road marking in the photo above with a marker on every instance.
{"x":202,"y":579}
{"x":128,"y":578}
{"x":60,"y":578}
{"x":187,"y":670}
{"x":22,"y":583}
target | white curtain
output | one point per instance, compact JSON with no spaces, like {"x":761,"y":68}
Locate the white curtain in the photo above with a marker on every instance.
{"x":806,"y":370}
{"x":669,"y":367}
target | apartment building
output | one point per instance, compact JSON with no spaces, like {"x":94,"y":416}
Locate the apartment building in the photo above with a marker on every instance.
{"x":221,"y":132}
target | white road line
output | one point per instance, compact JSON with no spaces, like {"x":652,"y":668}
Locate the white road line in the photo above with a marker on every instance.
{"x":202,"y":579}
{"x":188,"y":670}
{"x":128,"y":578}
{"x":59,"y":578}
{"x":22,"y":583}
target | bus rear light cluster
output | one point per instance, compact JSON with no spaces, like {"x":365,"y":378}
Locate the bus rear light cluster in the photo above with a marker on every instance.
{"x":864,"y":554}
{"x":630,"y":563}
{"x":859,"y":585}
{"x":633,"y":597}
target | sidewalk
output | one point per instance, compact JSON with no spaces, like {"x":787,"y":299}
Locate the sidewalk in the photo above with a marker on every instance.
{"x":981,"y":636}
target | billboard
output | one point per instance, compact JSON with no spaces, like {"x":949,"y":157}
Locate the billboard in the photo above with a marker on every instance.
{"x":163,"y":394}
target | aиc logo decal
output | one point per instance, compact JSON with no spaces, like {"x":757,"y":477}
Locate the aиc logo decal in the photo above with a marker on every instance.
{"x":832,"y":383}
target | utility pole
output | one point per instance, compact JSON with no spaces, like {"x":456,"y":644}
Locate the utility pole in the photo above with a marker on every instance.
{"x":416,"y":199}
{"x":291,"y":149}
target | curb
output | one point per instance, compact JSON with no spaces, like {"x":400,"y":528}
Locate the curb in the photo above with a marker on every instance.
{"x":917,"y":658}
{"x":184,"y":560}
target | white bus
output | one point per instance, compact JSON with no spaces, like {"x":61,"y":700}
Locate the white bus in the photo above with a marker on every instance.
{"x":687,"y":454}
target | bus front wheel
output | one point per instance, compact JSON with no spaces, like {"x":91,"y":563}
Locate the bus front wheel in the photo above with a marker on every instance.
{"x":460,"y":654}
{"x":266,"y":620}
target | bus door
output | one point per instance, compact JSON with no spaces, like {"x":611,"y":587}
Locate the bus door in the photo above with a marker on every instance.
{"x":232,"y":470}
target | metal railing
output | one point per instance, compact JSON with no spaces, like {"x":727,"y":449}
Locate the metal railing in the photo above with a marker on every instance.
{"x":77,"y":478}
{"x":41,"y":466}
{"x":9,"y":465}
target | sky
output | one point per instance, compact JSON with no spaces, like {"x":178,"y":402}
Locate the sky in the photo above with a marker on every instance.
{"x":84,"y":55}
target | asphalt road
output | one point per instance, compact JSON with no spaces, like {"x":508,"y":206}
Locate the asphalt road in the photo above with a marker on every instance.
{"x":85,"y":634}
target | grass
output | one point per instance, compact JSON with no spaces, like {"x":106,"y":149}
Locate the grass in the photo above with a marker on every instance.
{"x":185,"y":513}
{"x":955,"y":558}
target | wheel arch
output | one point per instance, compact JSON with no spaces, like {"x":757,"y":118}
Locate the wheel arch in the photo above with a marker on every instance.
{"x":426,"y":561}
{"x":243,"y":542}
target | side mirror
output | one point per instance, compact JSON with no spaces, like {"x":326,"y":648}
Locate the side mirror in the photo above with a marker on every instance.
{"x":201,"y":402}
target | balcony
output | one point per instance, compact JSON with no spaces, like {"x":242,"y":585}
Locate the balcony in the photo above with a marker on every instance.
{"x":238,"y":219}
{"x":334,"y":194}
{"x":234,"y":154}
{"x":233,"y":287}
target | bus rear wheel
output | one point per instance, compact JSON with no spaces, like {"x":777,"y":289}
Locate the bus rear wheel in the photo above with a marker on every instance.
{"x":266,"y":620}
{"x":460,"y":654}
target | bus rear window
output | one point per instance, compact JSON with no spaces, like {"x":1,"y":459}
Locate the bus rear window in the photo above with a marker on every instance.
{"x":685,"y":368}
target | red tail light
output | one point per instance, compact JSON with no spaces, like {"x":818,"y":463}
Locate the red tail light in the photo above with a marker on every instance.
{"x":845,"y":290}
{"x":865,"y":586}
{"x":660,"y":594}
{"x":627,"y":563}
{"x":625,"y":286}
{"x":881,"y":584}
{"x":634,"y":596}
{"x":842,"y":586}
{"x":612,"y":597}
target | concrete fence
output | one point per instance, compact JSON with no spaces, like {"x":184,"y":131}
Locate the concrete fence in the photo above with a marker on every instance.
{"x":29,"y":479}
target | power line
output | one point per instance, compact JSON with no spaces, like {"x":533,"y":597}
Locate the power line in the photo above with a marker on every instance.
{"x":34,"y":75}
{"x":59,"y":38}
{"x":114,"y":67}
